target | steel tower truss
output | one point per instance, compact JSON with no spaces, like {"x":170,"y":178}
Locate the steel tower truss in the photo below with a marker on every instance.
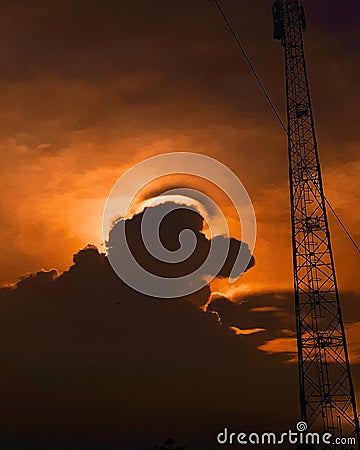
{"x":326,"y":390}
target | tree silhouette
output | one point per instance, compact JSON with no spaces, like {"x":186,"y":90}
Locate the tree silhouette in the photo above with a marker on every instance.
{"x":168,"y":445}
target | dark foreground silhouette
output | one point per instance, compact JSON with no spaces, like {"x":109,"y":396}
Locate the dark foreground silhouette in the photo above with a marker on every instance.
{"x":168,"y":446}
{"x":87,"y":363}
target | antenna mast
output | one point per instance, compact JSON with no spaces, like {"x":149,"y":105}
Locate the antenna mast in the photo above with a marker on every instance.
{"x":327,"y":395}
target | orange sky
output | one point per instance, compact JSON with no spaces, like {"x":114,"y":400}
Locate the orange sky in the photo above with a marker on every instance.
{"x":87,"y":92}
{"x":71,"y":127}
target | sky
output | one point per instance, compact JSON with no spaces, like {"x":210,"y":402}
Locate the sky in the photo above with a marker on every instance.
{"x":89,"y":90}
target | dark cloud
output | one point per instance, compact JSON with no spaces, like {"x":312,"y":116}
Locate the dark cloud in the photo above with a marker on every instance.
{"x":87,"y":363}
{"x":176,"y":219}
{"x":167,"y":56}
{"x":274,"y":315}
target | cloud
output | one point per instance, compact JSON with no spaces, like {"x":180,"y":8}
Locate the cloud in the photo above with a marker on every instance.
{"x":90,"y":363}
{"x":288,"y":346}
{"x":265,"y":309}
{"x":246,"y":331}
{"x":170,"y":220}
{"x":274,"y":314}
{"x":281,"y":345}
{"x":87,"y":362}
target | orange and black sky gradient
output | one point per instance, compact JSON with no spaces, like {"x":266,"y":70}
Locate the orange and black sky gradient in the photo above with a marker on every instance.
{"x":87,"y":90}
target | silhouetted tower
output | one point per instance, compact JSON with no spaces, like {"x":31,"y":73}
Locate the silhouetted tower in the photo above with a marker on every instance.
{"x":326,"y":390}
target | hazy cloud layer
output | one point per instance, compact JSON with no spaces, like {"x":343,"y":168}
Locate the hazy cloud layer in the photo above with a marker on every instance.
{"x":86,"y":91}
{"x":88,"y":362}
